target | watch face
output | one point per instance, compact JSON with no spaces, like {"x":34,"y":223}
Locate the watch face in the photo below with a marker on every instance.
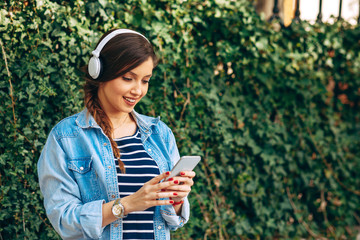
{"x":117,"y":210}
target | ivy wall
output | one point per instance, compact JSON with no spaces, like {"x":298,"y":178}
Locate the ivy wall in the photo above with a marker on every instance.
{"x":274,"y":112}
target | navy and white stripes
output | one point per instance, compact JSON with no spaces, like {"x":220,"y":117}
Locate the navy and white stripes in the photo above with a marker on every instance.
{"x":140,"y":168}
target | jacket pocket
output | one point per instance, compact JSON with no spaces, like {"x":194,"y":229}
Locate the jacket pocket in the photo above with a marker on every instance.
{"x":86,"y":178}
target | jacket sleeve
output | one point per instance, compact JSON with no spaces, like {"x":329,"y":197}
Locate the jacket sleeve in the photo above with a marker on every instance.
{"x":70,"y":217}
{"x":173,"y":220}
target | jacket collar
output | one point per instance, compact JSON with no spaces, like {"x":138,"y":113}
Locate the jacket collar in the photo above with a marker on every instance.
{"x":86,"y":120}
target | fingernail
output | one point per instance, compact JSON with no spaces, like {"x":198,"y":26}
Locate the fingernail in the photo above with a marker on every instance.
{"x":171,"y":201}
{"x":170,"y":179}
{"x":182,"y":173}
{"x":176,"y":181}
{"x":175,"y":194}
{"x":167,"y":173}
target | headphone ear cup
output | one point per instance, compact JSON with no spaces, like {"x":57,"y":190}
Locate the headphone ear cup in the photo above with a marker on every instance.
{"x":94,"y":67}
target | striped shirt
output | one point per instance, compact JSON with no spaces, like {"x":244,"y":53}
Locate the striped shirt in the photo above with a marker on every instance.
{"x":140,"y":168}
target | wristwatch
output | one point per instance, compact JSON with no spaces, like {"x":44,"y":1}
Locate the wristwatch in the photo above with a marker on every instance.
{"x":118,"y":209}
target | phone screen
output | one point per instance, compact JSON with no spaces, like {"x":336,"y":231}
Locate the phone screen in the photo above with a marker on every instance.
{"x":186,"y":163}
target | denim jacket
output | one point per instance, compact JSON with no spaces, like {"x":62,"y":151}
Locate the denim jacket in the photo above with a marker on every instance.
{"x":77,"y":174}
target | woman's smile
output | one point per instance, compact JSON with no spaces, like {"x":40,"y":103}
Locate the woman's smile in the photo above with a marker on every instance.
{"x":130,"y":100}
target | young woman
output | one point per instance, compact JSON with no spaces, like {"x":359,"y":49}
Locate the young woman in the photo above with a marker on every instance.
{"x":102,"y":171}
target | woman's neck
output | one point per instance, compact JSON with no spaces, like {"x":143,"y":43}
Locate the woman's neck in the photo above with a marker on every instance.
{"x":126,"y":126}
{"x":119,"y":120}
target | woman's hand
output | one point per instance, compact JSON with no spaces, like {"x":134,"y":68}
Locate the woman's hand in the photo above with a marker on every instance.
{"x":182,"y":186}
{"x":147,"y":196}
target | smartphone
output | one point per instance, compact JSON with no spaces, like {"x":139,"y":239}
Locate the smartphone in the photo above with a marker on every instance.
{"x":186,"y":163}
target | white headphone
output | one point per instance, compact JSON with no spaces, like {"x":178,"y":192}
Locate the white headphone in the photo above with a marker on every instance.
{"x":95,"y":66}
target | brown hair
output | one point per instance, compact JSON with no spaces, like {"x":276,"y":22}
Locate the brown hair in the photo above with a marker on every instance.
{"x":120,"y":55}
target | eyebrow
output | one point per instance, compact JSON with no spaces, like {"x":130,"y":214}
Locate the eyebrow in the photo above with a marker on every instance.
{"x":134,"y":74}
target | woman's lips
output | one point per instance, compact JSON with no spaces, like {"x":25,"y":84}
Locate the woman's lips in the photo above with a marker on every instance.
{"x":129,"y":101}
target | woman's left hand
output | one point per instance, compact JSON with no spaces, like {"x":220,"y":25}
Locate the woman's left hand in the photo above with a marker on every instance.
{"x":183,"y":187}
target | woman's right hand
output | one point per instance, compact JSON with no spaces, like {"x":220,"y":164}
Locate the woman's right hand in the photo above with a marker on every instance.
{"x":147,"y":196}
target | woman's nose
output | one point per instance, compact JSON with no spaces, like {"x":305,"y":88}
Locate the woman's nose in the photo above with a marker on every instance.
{"x":136,"y":89}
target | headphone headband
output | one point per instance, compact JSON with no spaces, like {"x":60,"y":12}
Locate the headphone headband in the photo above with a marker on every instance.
{"x":103,"y":42}
{"x":95,"y":66}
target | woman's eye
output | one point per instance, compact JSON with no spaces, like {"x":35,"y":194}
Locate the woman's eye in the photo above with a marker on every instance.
{"x":146,"y":81}
{"x":127,"y":79}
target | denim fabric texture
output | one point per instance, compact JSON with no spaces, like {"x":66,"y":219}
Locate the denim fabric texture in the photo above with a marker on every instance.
{"x":77,"y":174}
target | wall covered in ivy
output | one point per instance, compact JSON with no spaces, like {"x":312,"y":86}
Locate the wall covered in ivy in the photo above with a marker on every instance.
{"x":275,"y":113}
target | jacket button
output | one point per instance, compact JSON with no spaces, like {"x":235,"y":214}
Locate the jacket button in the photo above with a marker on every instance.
{"x":81,"y":168}
{"x":105,"y":144}
{"x":113,"y":196}
{"x":116,"y":225}
{"x":109,"y":167}
{"x":159,"y":227}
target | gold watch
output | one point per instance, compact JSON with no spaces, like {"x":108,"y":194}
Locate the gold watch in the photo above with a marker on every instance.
{"x":118,"y":209}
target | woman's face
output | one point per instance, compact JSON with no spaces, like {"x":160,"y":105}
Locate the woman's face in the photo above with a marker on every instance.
{"x":120,"y":95}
